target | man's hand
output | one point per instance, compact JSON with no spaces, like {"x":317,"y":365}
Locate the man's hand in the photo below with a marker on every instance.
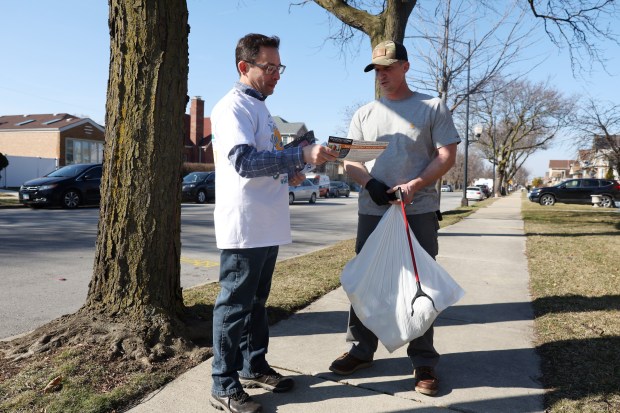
{"x":408,"y":190}
{"x":317,"y":154}
{"x":296,"y":179}
{"x":378,"y":192}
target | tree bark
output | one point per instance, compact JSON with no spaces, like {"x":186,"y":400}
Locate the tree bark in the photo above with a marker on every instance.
{"x":137,"y":261}
{"x":390,"y":24}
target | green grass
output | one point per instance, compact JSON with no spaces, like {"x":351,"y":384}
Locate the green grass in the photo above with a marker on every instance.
{"x":574,"y":269}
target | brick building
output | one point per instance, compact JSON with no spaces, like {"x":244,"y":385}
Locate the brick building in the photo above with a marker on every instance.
{"x":61,"y":136}
{"x":197,"y":140}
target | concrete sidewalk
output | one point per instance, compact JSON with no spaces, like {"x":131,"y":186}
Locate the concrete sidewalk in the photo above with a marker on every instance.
{"x":488,"y":361}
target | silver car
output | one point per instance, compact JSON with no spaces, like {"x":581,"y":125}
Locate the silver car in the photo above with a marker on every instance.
{"x":306,"y":191}
{"x":474,"y":193}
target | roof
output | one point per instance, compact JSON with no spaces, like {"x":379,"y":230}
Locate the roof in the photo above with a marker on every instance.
{"x":560,"y":164}
{"x":290,"y":128}
{"x":45,"y":121}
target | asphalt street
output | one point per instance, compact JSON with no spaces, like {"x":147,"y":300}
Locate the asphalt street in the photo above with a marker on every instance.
{"x":47,"y":255}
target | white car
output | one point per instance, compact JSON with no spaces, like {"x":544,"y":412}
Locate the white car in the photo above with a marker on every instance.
{"x":306,"y":191}
{"x":474,"y":193}
{"x":446,"y":188}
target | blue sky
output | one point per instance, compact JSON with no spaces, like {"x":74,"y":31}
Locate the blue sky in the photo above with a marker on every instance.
{"x":56,"y":56}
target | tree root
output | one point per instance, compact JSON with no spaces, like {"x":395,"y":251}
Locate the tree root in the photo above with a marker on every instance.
{"x":149,"y":342}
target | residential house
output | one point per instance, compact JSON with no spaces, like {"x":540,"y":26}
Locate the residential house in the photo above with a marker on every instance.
{"x":583,"y":167}
{"x":595,"y":162}
{"x":605,"y":149}
{"x":289,"y":130}
{"x":559,"y":170}
{"x":67,"y":138}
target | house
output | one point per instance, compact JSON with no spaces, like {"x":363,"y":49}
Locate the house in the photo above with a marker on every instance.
{"x":605,"y":152}
{"x":292,"y":130}
{"x":66,"y":138}
{"x":595,"y":162}
{"x":289,"y":130}
{"x":197,"y":135}
{"x":559,"y":170}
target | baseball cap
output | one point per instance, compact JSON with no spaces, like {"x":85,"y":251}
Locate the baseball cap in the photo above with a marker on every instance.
{"x":386,"y":53}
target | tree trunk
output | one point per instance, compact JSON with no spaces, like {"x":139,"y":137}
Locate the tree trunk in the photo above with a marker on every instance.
{"x":390,"y":24}
{"x":137,"y":261}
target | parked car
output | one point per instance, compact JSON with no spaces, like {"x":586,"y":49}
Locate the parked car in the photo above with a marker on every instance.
{"x":578,"y":191}
{"x":485,"y":190}
{"x":446,"y":188}
{"x":610,"y":194}
{"x":306,"y":191}
{"x":199,"y":187}
{"x":69,"y":187}
{"x":474,"y":193}
{"x":338,"y":188}
{"x":322,"y":181}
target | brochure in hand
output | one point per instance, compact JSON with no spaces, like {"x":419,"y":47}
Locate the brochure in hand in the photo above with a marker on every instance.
{"x":356,"y":151}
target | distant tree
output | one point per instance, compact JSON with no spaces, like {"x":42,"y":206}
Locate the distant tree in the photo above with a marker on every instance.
{"x":449,"y":45}
{"x":609,"y":174}
{"x":537,"y":182}
{"x":475,"y":168}
{"x":521,"y":177}
{"x":520,"y":118}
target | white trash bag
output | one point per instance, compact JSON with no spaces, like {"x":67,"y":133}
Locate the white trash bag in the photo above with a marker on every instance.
{"x":381,"y":284}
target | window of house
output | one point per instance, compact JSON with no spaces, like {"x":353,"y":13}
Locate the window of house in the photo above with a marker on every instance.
{"x":83,"y":151}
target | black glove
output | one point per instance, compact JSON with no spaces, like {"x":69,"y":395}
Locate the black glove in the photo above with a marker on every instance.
{"x":378,"y":192}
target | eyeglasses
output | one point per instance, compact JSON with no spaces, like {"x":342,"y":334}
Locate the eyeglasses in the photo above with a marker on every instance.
{"x":268,"y":68}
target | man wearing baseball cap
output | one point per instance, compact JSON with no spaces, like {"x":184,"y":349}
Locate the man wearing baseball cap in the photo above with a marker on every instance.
{"x":422,"y":147}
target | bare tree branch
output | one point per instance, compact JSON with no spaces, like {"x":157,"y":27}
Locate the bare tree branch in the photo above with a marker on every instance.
{"x":598,"y":127}
{"x":578,"y":25}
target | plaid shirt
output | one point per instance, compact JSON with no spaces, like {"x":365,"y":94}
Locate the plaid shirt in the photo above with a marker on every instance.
{"x":249,"y":163}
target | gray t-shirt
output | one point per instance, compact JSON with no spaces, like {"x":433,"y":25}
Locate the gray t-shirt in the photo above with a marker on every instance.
{"x":415,"y":128}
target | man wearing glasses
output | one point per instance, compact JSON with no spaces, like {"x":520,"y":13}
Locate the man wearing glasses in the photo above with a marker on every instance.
{"x":251,"y":221}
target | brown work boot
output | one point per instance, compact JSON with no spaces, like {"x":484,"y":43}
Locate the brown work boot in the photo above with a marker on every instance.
{"x":426,"y":381}
{"x":347,"y":364}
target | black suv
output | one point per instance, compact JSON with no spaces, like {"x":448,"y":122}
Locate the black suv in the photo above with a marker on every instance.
{"x":69,"y":187}
{"x":578,"y":191}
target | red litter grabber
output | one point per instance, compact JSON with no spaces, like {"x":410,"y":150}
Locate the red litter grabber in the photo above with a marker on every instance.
{"x":419,"y":293}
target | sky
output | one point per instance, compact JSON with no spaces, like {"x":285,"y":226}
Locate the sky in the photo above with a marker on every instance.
{"x":56,"y":57}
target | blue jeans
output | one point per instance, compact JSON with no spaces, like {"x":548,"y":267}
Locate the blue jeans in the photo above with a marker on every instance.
{"x":421,"y":350}
{"x":240,"y":325}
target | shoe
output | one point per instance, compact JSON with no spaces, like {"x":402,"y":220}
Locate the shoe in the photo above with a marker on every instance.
{"x":272,"y":381}
{"x":239,"y":402}
{"x":347,"y":364}
{"x":426,"y":381}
